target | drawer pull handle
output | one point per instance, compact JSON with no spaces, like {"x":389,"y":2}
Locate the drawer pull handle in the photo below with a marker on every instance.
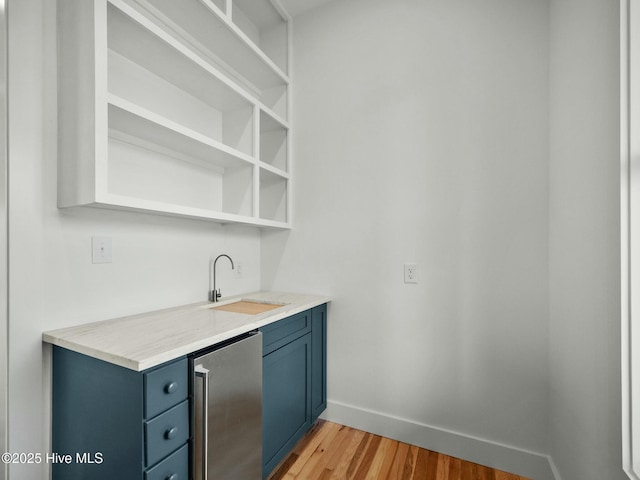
{"x":173,"y":476}
{"x":171,"y":387}
{"x":171,"y":433}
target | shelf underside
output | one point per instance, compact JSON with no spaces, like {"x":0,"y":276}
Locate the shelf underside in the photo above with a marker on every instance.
{"x":116,"y":202}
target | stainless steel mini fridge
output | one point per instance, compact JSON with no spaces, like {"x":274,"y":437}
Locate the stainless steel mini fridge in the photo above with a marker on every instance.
{"x":226,"y":383}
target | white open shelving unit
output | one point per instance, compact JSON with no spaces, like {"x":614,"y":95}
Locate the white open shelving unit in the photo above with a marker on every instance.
{"x":176,"y":107}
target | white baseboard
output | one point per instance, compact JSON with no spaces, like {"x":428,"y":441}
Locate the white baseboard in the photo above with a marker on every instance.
{"x":502,"y":457}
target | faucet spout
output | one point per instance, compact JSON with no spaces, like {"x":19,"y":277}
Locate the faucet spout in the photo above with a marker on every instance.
{"x":214,"y":295}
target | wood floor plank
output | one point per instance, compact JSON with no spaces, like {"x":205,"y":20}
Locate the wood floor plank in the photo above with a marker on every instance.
{"x":455,"y":469}
{"x":485,"y":473}
{"x":432,"y":465}
{"x":367,"y":457}
{"x":311,"y":442}
{"x":310,"y":436}
{"x":397,"y":469}
{"x":318,"y":460}
{"x":466,"y":471}
{"x":443,"y":467}
{"x":382,"y":462}
{"x":281,"y":470}
{"x":336,"y":452}
{"x":284,"y":467}
{"x":341,"y":443}
{"x":412,"y":459}
{"x":313,"y":453}
{"x":340,"y":472}
{"x":326,"y":474}
{"x":420,"y":470}
{"x":358,"y":455}
{"x":500,"y":475}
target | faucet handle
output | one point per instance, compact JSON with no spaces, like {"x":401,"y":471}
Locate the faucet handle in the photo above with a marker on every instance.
{"x":215,"y":295}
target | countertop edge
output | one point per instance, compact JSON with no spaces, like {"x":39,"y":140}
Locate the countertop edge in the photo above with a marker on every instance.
{"x":55,"y":337}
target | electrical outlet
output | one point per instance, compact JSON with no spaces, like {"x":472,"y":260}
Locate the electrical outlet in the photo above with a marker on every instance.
{"x":239,"y":270}
{"x":410,"y":273}
{"x":101,"y":249}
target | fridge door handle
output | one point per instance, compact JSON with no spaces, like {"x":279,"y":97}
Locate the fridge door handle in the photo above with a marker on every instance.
{"x":203,"y":373}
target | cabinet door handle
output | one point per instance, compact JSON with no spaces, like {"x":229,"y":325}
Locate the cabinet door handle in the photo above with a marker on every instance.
{"x":171,"y":433}
{"x":203,"y":373}
{"x":171,"y":387}
{"x":173,"y":476}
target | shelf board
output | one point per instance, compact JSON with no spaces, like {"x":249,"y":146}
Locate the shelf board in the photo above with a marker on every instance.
{"x":270,"y":121}
{"x":274,"y":196}
{"x":273,"y":144}
{"x":121,"y":202}
{"x":274,"y":171}
{"x":201,"y":25}
{"x":262,"y":13}
{"x":137,"y":122}
{"x":261,"y":222}
{"x":109,"y":200}
{"x":158,"y":52}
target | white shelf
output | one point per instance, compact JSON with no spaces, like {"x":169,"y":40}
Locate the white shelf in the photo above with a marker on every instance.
{"x":120,"y":202}
{"x":183,"y":183}
{"x":251,"y":56}
{"x":163,"y":75}
{"x":273,"y":170}
{"x":154,"y":129}
{"x":154,"y":119}
{"x":273,"y":196}
{"x":273,"y":141}
{"x":261,"y":22}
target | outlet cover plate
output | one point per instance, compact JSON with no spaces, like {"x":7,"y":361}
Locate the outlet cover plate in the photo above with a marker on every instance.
{"x":410,"y":273}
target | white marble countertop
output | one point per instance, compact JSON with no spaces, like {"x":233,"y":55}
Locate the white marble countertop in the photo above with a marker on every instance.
{"x":145,"y":340}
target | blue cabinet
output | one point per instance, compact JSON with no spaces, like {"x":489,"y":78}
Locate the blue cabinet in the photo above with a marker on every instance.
{"x":118,"y":423}
{"x":293,"y":382}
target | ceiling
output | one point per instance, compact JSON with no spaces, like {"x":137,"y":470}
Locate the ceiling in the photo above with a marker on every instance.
{"x":297,"y":7}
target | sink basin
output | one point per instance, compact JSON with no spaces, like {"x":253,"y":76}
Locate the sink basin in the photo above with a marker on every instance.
{"x":247,"y":307}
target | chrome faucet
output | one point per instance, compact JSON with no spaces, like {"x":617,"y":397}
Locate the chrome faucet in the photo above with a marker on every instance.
{"x":214,"y":294}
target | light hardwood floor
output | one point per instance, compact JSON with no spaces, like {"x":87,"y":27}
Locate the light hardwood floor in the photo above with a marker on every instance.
{"x":332,"y":451}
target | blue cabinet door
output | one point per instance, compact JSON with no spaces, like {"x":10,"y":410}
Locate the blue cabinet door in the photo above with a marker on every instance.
{"x":96,"y":408}
{"x":286,"y":405}
{"x":294,"y":376}
{"x":99,"y":408}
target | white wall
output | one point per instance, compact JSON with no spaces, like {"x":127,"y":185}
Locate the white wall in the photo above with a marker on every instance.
{"x":585,"y":240}
{"x":157,"y":262}
{"x":439,"y":158}
{"x":421,"y":135}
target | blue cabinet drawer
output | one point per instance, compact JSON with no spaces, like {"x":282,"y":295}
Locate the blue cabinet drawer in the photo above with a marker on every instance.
{"x":285,"y":331}
{"x":165,"y":387}
{"x":174,"y":467}
{"x":166,"y":433}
